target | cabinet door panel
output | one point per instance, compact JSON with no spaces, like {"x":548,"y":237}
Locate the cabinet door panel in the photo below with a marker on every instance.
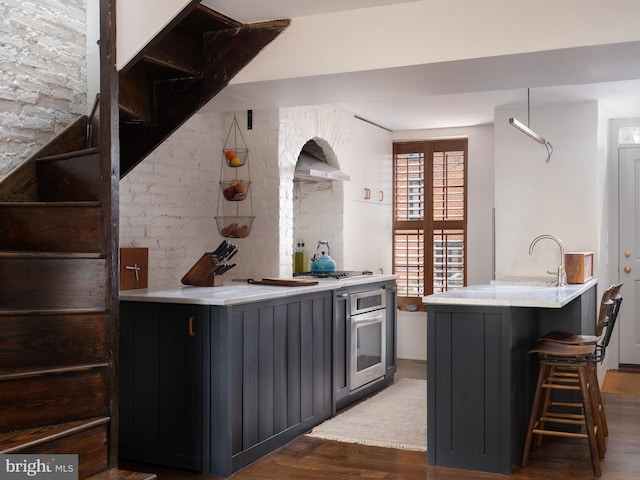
{"x":250,"y":380}
{"x":285,"y":369}
{"x":236,"y":353}
{"x":294,"y":362}
{"x":306,"y":361}
{"x":266,"y":377}
{"x":161,"y":372}
{"x":280,"y":398}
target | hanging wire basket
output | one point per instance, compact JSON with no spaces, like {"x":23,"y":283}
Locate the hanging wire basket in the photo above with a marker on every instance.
{"x":234,"y":226}
{"x":235,"y":155}
{"x":235,"y":149}
{"x":235,"y":190}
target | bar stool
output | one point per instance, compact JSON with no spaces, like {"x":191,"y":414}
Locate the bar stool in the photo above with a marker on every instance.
{"x":607,"y":316}
{"x":566,"y":367}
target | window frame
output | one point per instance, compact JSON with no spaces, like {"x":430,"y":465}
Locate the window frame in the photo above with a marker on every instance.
{"x":428,"y":225}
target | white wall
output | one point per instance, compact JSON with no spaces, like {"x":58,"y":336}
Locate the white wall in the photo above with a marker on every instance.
{"x":169,"y":201}
{"x":534,"y":197}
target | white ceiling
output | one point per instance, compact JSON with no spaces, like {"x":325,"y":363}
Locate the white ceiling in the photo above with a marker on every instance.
{"x":449,"y":94}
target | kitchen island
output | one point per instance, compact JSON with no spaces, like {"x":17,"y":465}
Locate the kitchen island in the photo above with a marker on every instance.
{"x":480,"y":376}
{"x":214,"y":378}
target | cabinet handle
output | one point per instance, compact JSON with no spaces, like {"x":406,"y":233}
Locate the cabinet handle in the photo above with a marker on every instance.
{"x":381,"y":196}
{"x":192,"y":332}
{"x":342,"y":295}
{"x":367,"y":193}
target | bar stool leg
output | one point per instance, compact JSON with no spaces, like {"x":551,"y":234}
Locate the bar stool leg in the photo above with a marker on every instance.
{"x":546,"y":404}
{"x":595,"y":410}
{"x":600,"y":403}
{"x":589,"y":423}
{"x":535,"y":414}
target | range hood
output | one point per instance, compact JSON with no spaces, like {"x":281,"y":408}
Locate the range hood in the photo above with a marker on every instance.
{"x":310,"y":168}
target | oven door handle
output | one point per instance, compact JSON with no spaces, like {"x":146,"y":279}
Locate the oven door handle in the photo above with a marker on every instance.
{"x":367,"y":319}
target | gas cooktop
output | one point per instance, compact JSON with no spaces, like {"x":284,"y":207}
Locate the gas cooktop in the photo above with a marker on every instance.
{"x":336,"y":274}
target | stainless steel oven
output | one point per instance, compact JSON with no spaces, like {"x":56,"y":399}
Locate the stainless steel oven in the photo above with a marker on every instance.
{"x":367,"y":320}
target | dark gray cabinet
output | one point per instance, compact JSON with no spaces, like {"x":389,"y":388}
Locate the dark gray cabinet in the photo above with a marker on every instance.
{"x":481,"y":378}
{"x":272,"y":367}
{"x":163,"y":352}
{"x":215,"y":388}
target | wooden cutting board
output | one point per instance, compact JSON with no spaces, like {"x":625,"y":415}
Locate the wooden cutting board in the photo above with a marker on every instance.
{"x":283,"y":282}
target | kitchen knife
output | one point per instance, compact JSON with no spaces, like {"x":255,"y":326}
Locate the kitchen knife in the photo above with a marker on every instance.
{"x":234,"y":250}
{"x":225,"y":267}
{"x":220,"y":248}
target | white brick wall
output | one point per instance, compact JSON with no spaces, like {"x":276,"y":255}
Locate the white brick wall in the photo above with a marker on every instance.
{"x":43,"y":71}
{"x":168,"y":203}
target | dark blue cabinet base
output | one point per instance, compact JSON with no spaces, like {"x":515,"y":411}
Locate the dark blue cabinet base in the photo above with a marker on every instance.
{"x":213,"y":389}
{"x":481,"y":379}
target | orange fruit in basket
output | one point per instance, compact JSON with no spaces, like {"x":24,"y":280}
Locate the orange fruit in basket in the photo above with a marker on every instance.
{"x":230,"y":155}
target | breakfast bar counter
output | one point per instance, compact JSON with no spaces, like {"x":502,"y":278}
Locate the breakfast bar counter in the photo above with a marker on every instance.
{"x":480,"y":377}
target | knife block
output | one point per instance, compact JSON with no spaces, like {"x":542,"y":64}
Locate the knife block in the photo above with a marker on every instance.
{"x":201,"y":274}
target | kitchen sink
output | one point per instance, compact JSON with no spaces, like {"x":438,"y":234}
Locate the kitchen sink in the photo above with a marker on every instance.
{"x":526,"y":281}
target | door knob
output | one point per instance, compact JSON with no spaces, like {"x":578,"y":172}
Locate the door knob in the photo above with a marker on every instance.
{"x":627,"y":269}
{"x":627,"y":253}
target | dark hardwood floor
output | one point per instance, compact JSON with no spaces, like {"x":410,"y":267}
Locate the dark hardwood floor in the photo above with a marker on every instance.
{"x":312,"y":459}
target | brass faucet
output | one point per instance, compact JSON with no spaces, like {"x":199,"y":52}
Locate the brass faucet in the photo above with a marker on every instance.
{"x":562,"y":274}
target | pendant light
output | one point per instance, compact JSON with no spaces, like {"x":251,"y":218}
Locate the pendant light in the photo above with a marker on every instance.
{"x":526,"y":129}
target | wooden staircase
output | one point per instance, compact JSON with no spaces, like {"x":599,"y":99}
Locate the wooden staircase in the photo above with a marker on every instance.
{"x":56,"y":331}
{"x":178,"y":72}
{"x":58,"y":255}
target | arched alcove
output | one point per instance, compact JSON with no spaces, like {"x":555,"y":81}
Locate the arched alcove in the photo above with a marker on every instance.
{"x":317,"y":206}
{"x":311,"y":211}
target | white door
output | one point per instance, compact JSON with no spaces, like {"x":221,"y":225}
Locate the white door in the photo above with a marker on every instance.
{"x":629,"y":251}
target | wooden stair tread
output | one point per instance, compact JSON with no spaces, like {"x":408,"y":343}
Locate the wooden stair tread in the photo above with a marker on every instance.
{"x":73,"y":154}
{"x":51,"y":311}
{"x":32,"y":372}
{"x":31,"y":204}
{"x":20,"y":440}
{"x":117,"y":474}
{"x":50,"y":255}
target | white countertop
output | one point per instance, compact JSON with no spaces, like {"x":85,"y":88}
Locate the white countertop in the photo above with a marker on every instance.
{"x":510,"y":295}
{"x":234,"y":293}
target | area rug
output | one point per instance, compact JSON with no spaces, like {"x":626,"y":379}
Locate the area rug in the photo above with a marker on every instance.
{"x":396,"y":417}
{"x":621,"y":383}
